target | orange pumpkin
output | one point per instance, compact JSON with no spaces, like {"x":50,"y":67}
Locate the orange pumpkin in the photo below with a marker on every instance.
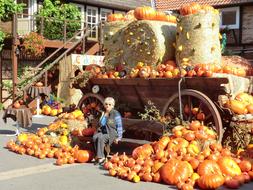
{"x":83,"y":156}
{"x":115,"y":17}
{"x":191,"y":8}
{"x":145,"y":13}
{"x":208,"y":167}
{"x":161,"y":16}
{"x":228,"y":166}
{"x":143,"y":151}
{"x":16,"y":105}
{"x":175,"y":171}
{"x":211,"y":181}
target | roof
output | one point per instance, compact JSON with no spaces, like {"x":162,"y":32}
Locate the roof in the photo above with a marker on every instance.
{"x":118,"y":4}
{"x":176,"y":4}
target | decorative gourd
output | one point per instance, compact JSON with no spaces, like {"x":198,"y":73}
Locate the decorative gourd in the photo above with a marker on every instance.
{"x":145,"y":13}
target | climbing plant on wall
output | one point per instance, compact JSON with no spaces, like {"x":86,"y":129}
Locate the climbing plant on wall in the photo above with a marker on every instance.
{"x":7,"y":9}
{"x":55,"y":13}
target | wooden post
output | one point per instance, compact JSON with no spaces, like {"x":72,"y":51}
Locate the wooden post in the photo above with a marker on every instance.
{"x":1,"y":78}
{"x":46,"y":78}
{"x":65,"y":30}
{"x":14,"y":57}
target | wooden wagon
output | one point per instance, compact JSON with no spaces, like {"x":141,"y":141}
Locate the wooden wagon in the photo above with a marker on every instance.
{"x":134,"y":94}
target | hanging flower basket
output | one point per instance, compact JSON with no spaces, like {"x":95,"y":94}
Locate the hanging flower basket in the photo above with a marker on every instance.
{"x":33,"y":44}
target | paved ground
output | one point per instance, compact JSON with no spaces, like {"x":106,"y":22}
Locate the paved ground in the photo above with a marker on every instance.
{"x":26,"y":172}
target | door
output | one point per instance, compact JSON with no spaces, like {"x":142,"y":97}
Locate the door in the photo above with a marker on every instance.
{"x":92,"y":21}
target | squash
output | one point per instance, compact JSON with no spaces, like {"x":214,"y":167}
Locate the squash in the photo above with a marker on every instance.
{"x":83,"y":156}
{"x":237,"y":106}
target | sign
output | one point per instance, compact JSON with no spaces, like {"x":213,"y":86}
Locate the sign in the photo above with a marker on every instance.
{"x":84,"y":60}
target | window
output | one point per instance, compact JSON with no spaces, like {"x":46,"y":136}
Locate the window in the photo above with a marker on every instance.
{"x":104,"y":13}
{"x":25,"y":8}
{"x":92,"y":21}
{"x":230,"y":17}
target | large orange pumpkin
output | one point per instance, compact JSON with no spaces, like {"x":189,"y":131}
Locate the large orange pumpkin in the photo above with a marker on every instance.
{"x":208,"y":167}
{"x":175,"y":171}
{"x":228,"y":166}
{"x":145,"y":13}
{"x":211,"y":181}
{"x":83,"y":156}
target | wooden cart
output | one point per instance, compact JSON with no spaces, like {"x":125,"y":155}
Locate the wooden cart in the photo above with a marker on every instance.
{"x":202,"y":93}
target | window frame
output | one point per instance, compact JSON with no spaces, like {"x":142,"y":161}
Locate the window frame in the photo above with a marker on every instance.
{"x":228,"y":9}
{"x":105,"y":10}
{"x":96,"y":23}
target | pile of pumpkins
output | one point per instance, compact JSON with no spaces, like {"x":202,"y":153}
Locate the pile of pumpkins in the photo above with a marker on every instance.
{"x":189,"y":157}
{"x":241,"y":104}
{"x":74,"y":115}
{"x":49,"y":110}
{"x":42,"y":146}
{"x":142,"y":13}
{"x":169,"y":70}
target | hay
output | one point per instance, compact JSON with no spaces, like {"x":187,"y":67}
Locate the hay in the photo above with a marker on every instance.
{"x":197,"y":39}
{"x":150,"y":42}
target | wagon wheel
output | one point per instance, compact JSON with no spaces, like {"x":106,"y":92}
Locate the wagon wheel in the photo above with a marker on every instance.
{"x":195,"y":99}
{"x":91,"y":105}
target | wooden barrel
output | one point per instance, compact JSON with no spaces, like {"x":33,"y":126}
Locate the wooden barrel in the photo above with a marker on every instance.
{"x":197,"y":39}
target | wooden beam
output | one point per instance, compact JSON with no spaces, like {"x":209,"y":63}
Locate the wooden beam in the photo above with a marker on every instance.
{"x":14,"y":57}
{"x":93,"y":50}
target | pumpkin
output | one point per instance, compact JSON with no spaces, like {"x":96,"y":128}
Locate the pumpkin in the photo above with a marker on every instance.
{"x":145,"y":13}
{"x":175,"y":171}
{"x":208,"y":167}
{"x":89,"y":131}
{"x":115,"y":17}
{"x":207,"y":8}
{"x":228,"y":166}
{"x":161,"y":16}
{"x":144,"y":72}
{"x":245,"y":166}
{"x":142,"y":151}
{"x":163,"y":142}
{"x":39,"y":84}
{"x":191,"y":8}
{"x":237,"y":107}
{"x":211,"y":181}
{"x":16,"y":105}
{"x":83,"y":156}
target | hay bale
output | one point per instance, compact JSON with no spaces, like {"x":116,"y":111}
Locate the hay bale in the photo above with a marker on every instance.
{"x":112,"y":41}
{"x":197,"y":39}
{"x":150,"y":42}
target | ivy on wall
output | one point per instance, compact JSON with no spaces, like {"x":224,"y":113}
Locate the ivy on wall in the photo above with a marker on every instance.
{"x":7,"y":9}
{"x":53,"y":29}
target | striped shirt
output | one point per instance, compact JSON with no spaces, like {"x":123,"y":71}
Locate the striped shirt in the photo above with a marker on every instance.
{"x":118,"y":121}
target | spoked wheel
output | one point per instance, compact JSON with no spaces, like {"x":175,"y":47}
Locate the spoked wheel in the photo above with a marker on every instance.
{"x":193,"y":100}
{"x":91,"y":105}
